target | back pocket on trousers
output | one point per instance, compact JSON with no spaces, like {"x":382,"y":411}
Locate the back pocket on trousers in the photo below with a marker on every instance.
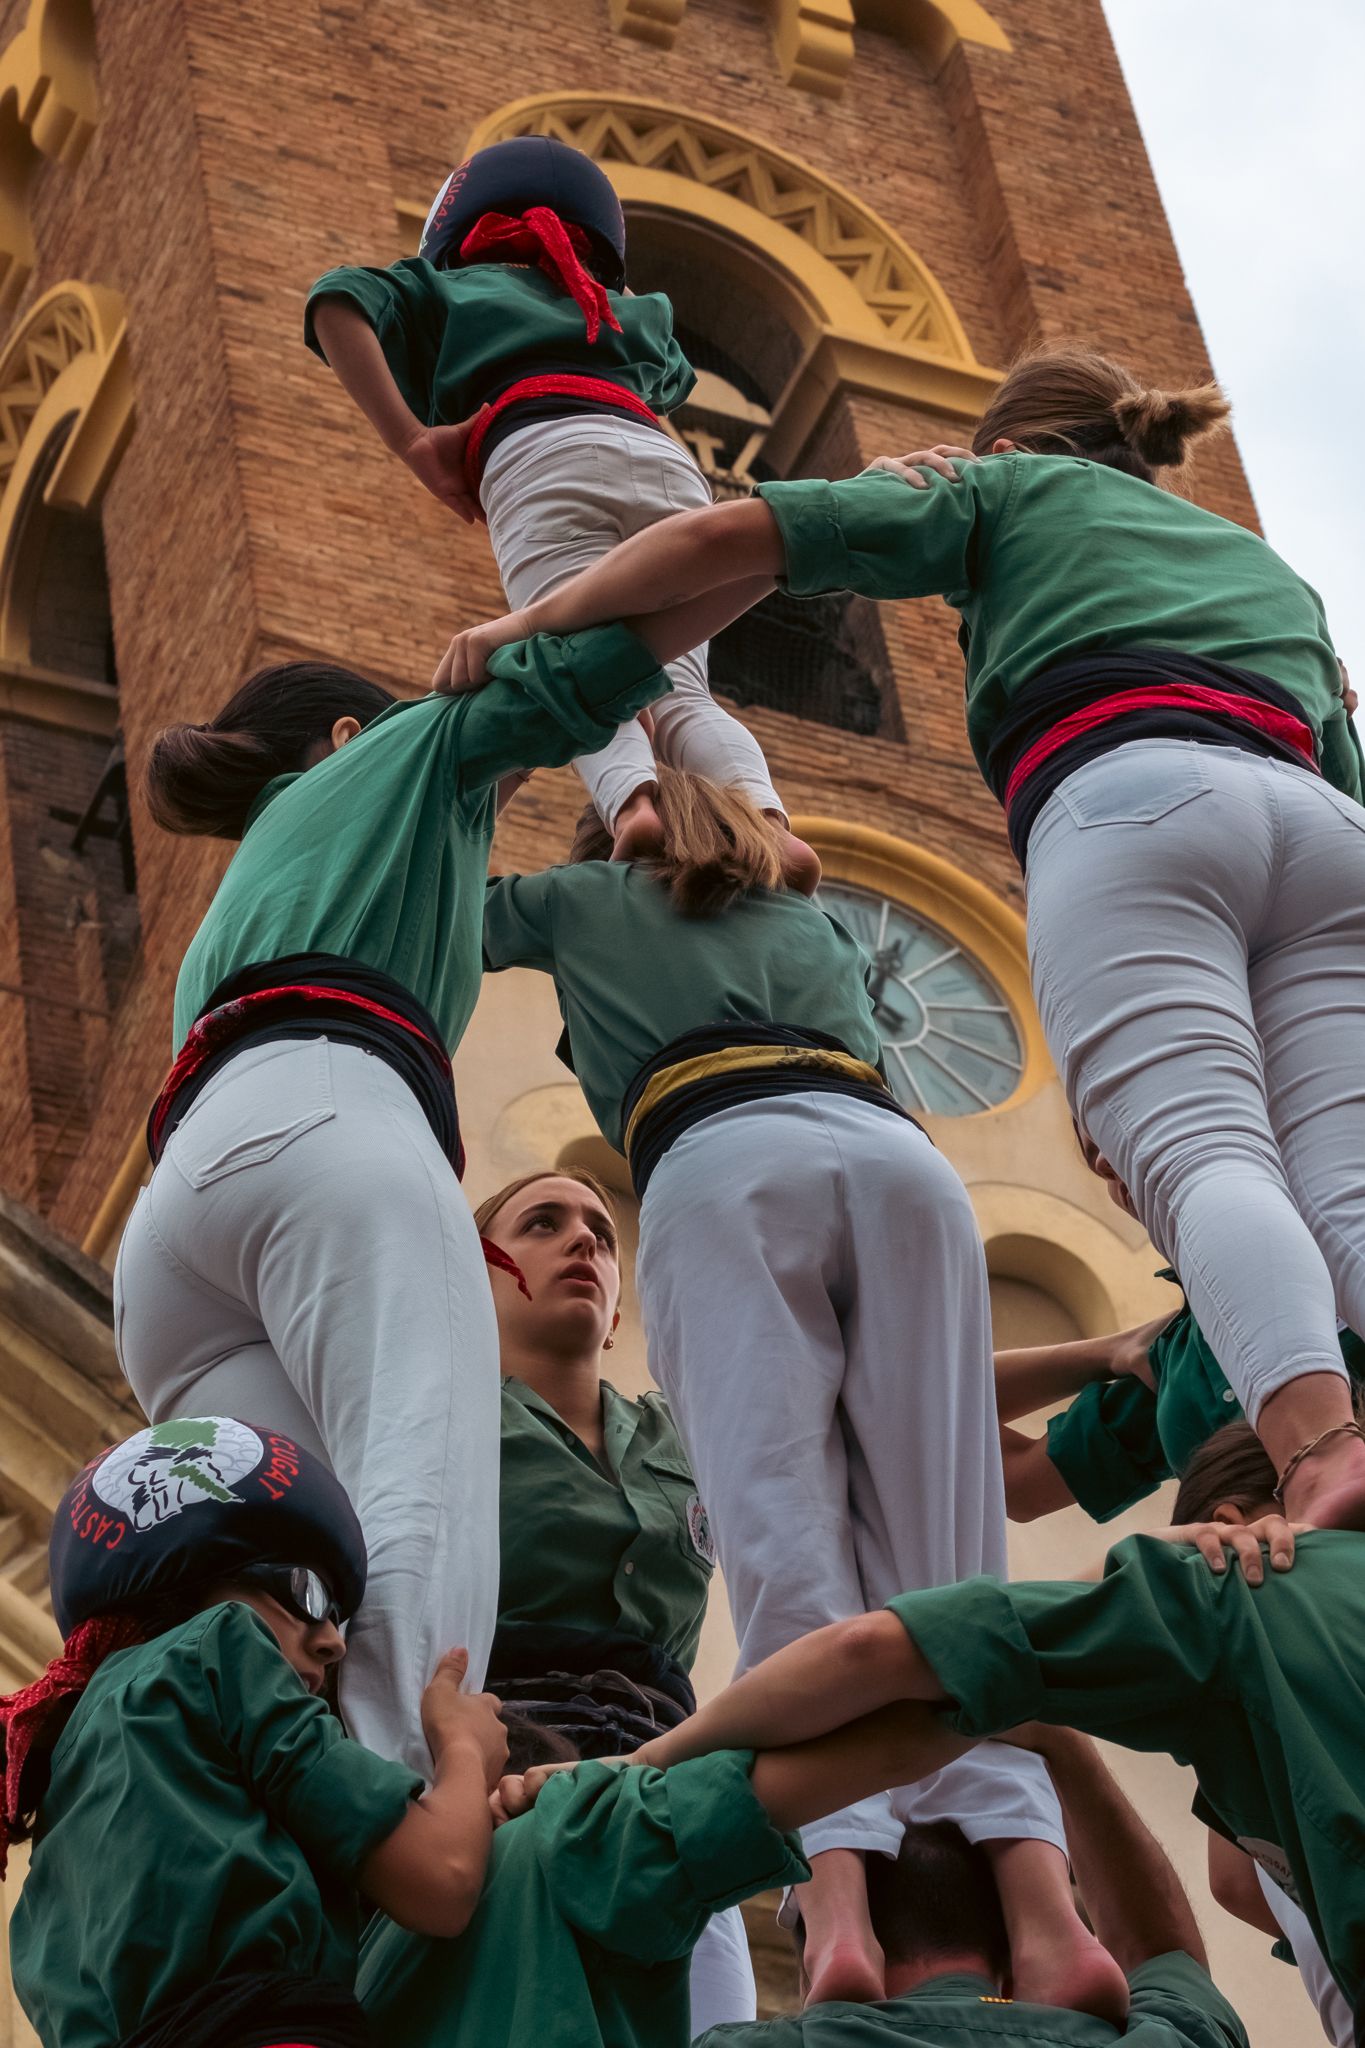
{"x":232,"y":1132}
{"x":1134,"y":792}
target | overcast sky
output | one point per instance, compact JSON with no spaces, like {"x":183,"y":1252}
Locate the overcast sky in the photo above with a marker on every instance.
{"x":1254,"y":114}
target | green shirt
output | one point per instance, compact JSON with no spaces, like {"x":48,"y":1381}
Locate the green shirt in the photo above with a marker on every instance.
{"x":632,"y":974}
{"x":1046,"y":557}
{"x":205,"y":1814}
{"x":625,"y":1550}
{"x":1118,"y":1440}
{"x":1175,"y":2004}
{"x":453,"y":338}
{"x":1260,"y":1689}
{"x":379,"y":853}
{"x":590,"y":1910}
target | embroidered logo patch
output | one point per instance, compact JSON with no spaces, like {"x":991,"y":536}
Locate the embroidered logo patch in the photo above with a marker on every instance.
{"x":171,"y":1466}
{"x":699,"y":1529}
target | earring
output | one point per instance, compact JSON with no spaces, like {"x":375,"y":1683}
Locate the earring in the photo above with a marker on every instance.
{"x":607,"y":1343}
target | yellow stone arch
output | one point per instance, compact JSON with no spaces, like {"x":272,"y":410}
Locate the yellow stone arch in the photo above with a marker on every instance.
{"x":870,"y":310}
{"x":48,"y":107}
{"x":64,"y":381}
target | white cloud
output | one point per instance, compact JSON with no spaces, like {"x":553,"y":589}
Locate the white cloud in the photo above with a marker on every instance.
{"x":1251,"y":114}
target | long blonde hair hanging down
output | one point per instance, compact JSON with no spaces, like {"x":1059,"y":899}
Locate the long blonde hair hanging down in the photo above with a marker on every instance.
{"x":717,"y":844}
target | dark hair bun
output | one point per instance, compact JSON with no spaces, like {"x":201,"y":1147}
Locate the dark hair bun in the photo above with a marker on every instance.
{"x":1160,"y":425}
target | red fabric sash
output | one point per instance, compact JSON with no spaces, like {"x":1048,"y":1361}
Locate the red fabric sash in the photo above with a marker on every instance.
{"x":1253,"y":711}
{"x":539,"y":236}
{"x":23,"y":1713}
{"x":600,"y":390}
{"x":231,"y":1020}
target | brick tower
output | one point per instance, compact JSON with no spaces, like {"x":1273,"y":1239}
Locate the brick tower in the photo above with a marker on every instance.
{"x":861,"y":208}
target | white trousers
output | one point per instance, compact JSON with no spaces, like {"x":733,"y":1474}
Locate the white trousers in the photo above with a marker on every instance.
{"x":1327,"y":1995}
{"x":303,"y":1257}
{"x":721,"y":1979}
{"x":814,"y":1291}
{"x":1197,"y":936}
{"x":560,"y":495}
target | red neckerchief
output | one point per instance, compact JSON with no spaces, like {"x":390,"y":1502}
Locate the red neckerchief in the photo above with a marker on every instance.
{"x":541,"y":237}
{"x":23,"y":1713}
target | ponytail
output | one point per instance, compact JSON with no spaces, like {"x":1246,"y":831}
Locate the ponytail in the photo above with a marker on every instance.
{"x":205,"y":778}
{"x":717,"y":844}
{"x":1069,"y":400}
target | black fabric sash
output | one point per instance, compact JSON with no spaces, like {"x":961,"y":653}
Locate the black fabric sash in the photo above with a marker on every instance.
{"x":688,"y":1105}
{"x":607,"y":1693}
{"x":1069,"y":686}
{"x":257,"y":2010}
{"x":425,"y":1067}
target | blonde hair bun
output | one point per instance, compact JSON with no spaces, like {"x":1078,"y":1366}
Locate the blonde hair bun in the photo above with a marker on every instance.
{"x":1160,"y":426}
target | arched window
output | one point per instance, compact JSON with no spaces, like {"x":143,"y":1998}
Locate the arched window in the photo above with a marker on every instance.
{"x":825,"y":658}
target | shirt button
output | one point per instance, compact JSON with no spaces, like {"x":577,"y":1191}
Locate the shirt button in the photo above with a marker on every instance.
{"x":1229,"y":1396}
{"x":629,"y":1569}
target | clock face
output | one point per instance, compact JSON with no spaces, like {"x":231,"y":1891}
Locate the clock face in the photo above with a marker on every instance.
{"x":949,"y":1038}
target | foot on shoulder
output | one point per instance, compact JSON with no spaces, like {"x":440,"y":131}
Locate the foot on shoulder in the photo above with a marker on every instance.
{"x":849,"y":1970}
{"x":639,"y":829}
{"x":801,"y":868}
{"x":1076,"y":1972}
{"x":1328,"y":1487}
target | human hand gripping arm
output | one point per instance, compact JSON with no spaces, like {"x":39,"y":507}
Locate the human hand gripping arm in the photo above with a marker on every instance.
{"x":675,"y":584}
{"x":1035,"y":1376}
{"x":428,"y":1874}
{"x":435,"y":455}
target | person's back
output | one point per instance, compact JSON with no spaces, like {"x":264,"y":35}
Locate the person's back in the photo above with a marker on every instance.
{"x":633,"y":973}
{"x":220,"y":1853}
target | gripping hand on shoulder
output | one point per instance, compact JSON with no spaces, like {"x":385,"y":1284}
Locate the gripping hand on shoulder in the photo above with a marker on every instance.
{"x":1244,"y":1540}
{"x":464,"y":665}
{"x":911,"y":468}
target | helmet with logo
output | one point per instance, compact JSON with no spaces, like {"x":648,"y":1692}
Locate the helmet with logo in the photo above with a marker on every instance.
{"x":192,"y":1500}
{"x":510,"y":178}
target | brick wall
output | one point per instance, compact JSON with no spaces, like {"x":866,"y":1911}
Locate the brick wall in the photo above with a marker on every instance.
{"x":244,"y":149}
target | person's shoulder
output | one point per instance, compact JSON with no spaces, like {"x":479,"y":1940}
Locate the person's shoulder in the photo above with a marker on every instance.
{"x":1180,"y":1991}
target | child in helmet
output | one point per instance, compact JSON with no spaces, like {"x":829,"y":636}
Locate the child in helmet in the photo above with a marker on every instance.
{"x":512,"y":371}
{"x":201,"y":1824}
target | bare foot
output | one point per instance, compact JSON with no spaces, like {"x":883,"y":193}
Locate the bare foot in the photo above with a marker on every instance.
{"x":639,"y":829}
{"x":800,"y":865}
{"x":1054,"y":1959}
{"x":1075,"y":1971}
{"x":842,"y":1958}
{"x":1328,"y":1488}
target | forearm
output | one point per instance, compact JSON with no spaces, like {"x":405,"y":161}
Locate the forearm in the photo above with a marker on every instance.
{"x":428,"y":1874}
{"x":1236,"y":1887}
{"x":352,"y":349}
{"x":1137,"y":1904}
{"x":667,"y":566}
{"x":894,"y":1746}
{"x":667,"y":634}
{"x":1033,"y":1378}
{"x":1033,"y":1485}
{"x":815,"y":1685}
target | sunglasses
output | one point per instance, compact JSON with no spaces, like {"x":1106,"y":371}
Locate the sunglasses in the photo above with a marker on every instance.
{"x":298,"y":1588}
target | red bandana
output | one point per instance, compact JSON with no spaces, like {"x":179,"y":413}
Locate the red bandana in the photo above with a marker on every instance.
{"x":23,"y":1713}
{"x":541,"y":237}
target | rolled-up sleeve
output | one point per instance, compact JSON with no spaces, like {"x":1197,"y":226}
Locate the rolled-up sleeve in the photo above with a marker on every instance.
{"x":1107,"y":1448}
{"x":640,"y":1859}
{"x":518,"y":925}
{"x":881,"y":537}
{"x":1127,"y":1657}
{"x":553,"y":697}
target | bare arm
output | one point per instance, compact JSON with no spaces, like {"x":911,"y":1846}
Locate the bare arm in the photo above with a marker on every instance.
{"x":435,"y":455}
{"x":427,"y":1875}
{"x":895,"y":1746}
{"x":1137,"y":1904}
{"x":1033,"y":1378}
{"x":1033,"y":1485}
{"x":813,"y":1686}
{"x":1235,"y":1885}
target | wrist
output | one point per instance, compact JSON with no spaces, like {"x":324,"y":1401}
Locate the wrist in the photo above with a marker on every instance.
{"x":402,"y":436}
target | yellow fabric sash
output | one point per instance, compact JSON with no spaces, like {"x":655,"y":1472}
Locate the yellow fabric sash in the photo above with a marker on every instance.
{"x":738,"y":1059}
